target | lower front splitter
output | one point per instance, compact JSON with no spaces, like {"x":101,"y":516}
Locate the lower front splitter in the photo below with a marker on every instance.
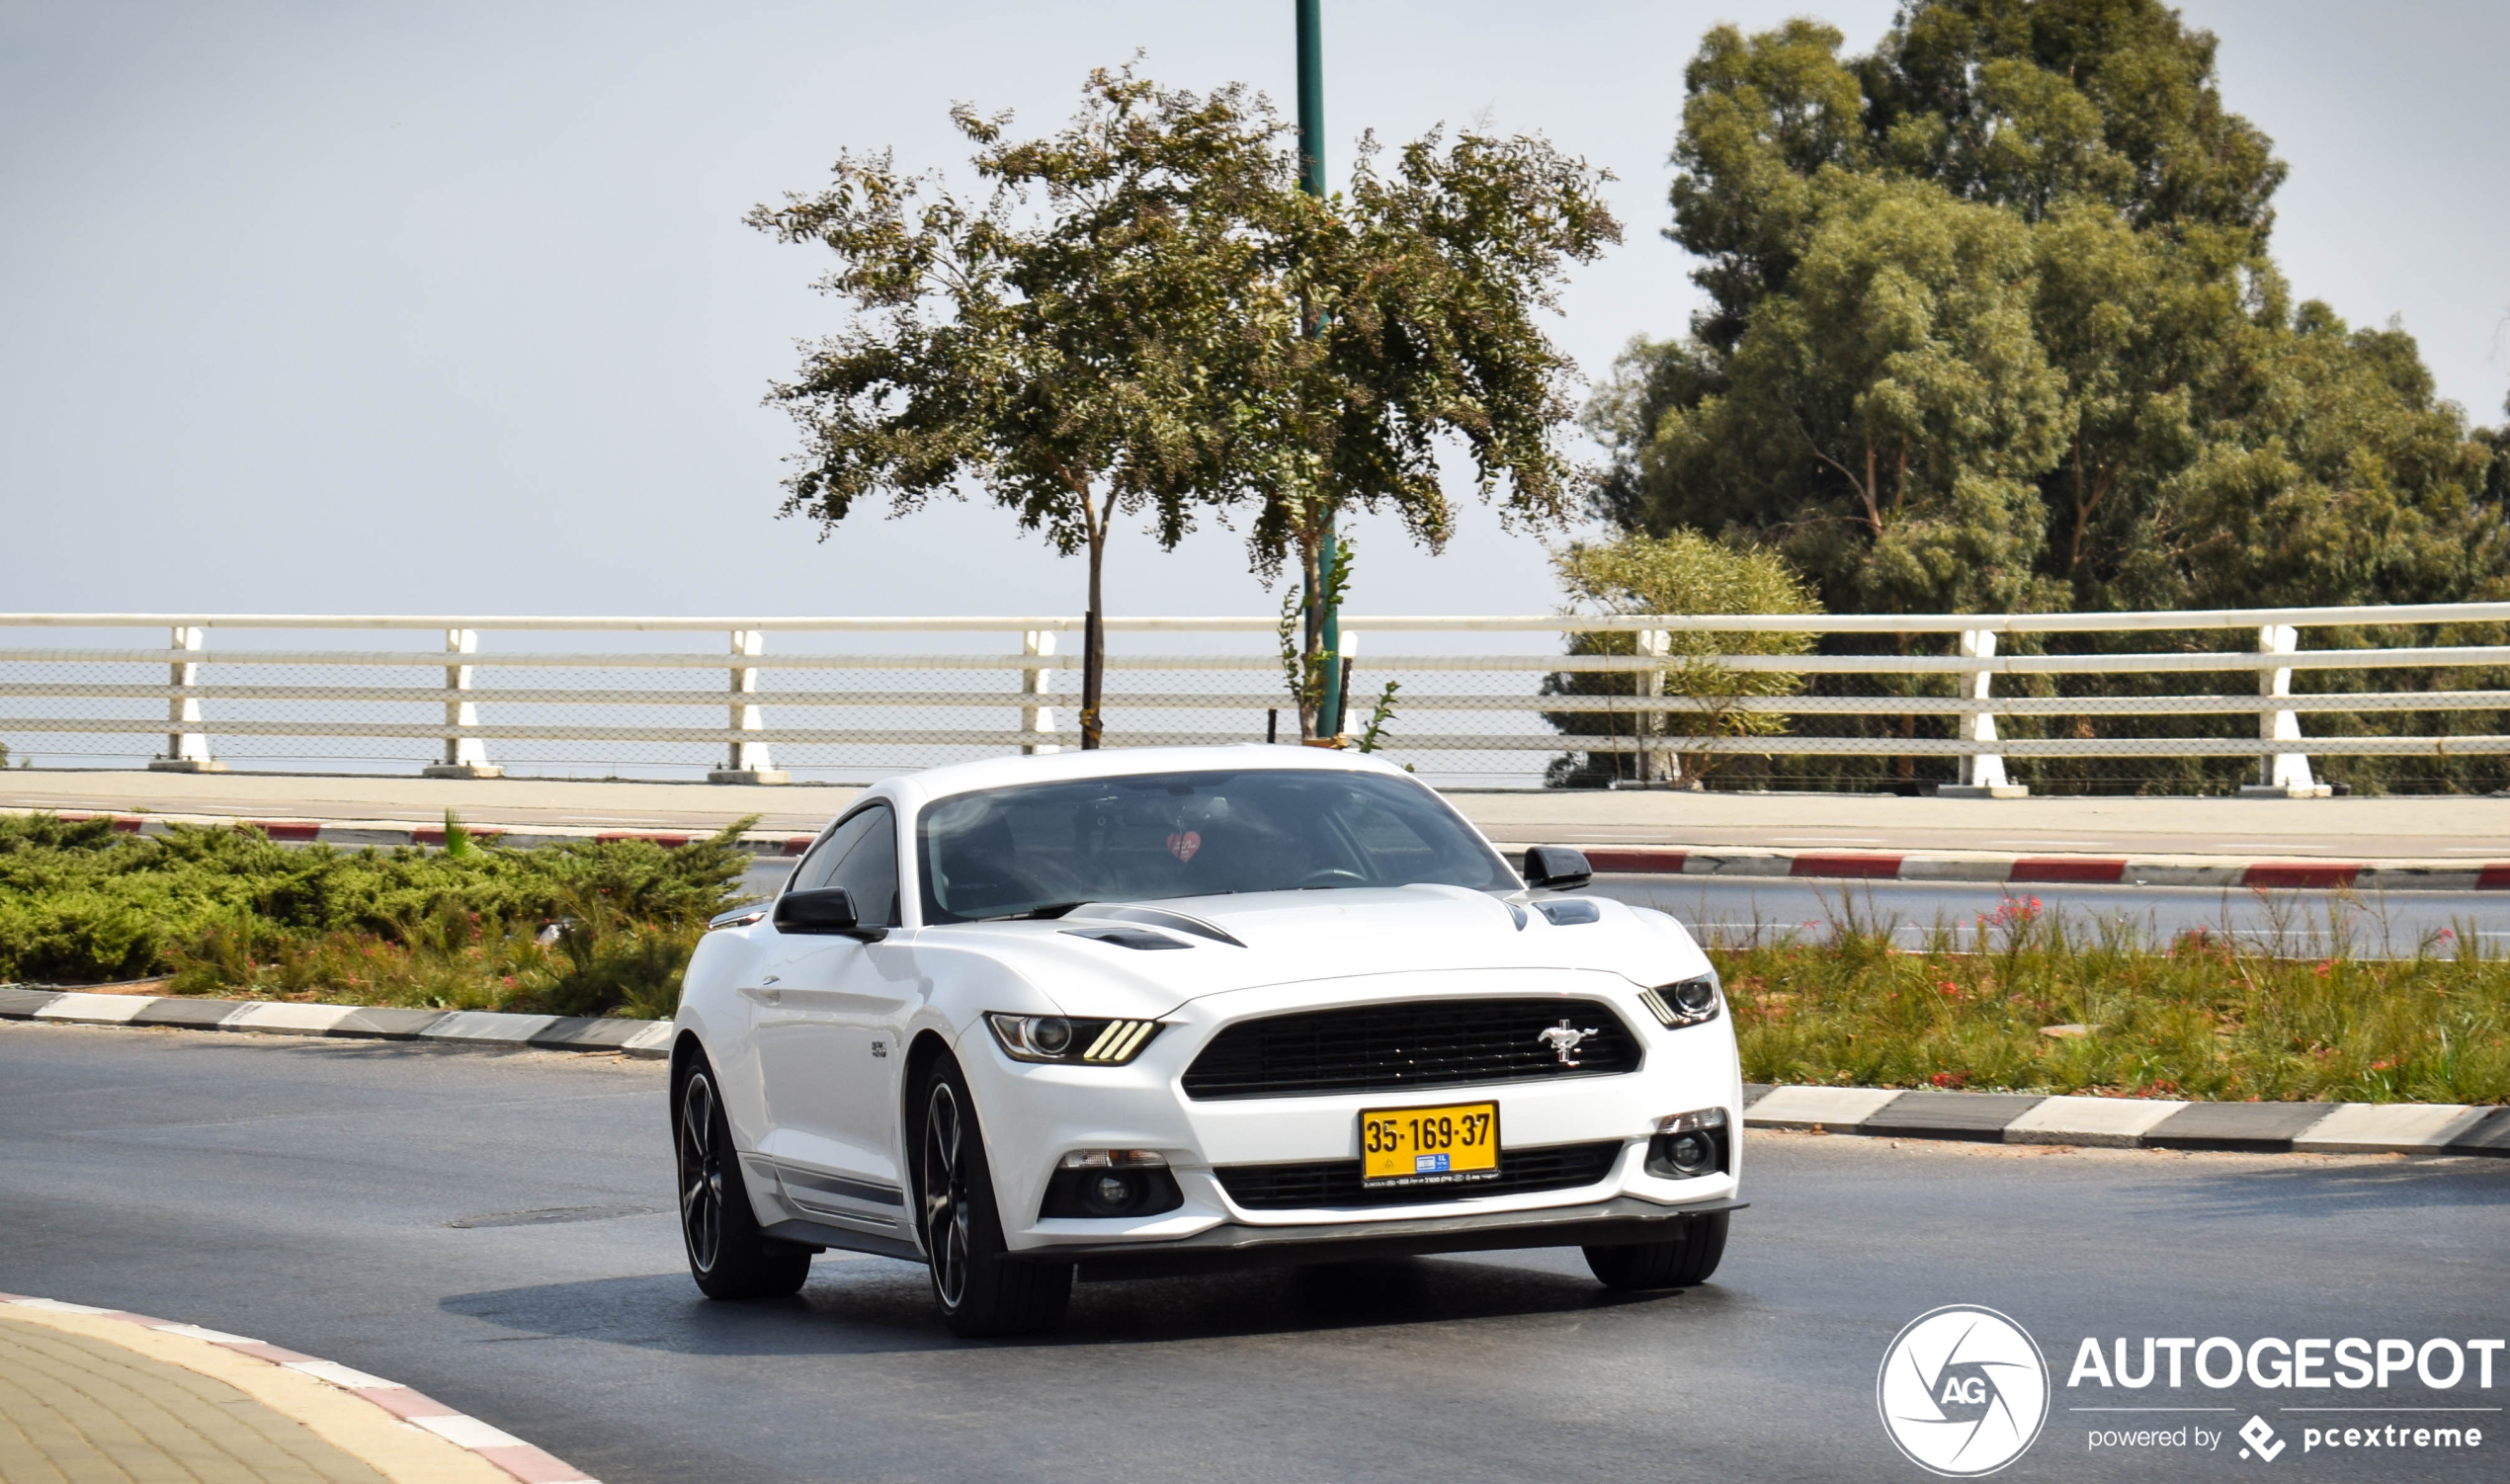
{"x":1619,"y":1221}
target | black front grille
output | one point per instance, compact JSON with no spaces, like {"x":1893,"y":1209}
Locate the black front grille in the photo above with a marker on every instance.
{"x":1369,"y":1048}
{"x":1336,"y":1182}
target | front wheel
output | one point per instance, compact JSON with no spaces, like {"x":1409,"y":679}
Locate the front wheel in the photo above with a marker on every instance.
{"x":981,"y":1290}
{"x":728,"y":1254}
{"x":1689,"y":1260}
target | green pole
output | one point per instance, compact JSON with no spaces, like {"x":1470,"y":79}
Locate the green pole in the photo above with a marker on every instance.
{"x":1312,"y":179}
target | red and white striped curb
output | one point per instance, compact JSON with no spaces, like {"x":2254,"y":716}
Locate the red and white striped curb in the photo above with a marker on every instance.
{"x":2080,"y":871}
{"x":431,"y":836}
{"x":507,"y":1452}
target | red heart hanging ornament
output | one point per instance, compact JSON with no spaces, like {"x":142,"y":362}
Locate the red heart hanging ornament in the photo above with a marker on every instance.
{"x":1184,"y":846}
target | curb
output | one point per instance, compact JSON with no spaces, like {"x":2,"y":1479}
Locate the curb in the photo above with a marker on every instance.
{"x":2134,"y":1123}
{"x":428,"y":836}
{"x":2052,"y":871}
{"x":1879,"y":1111}
{"x":473,"y":1028}
{"x":509,"y":1454}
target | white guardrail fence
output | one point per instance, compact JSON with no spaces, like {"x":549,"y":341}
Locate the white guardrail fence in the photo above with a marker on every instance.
{"x":855,"y":696}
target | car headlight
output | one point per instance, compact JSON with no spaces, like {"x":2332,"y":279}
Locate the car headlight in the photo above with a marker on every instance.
{"x":1070,"y":1039}
{"x":1688,"y":1002}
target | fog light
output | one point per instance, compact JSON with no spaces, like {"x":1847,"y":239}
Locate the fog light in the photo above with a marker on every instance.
{"x":1097,"y":1184}
{"x":1689,"y":1145}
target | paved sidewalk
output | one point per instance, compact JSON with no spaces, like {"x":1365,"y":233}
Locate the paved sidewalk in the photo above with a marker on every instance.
{"x":90,"y":1394}
{"x":2425,"y":831}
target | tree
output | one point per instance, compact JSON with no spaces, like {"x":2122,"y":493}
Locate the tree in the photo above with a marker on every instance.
{"x":2105,"y":446}
{"x":1401,"y":314}
{"x":1683,"y":572}
{"x":1884,"y":421}
{"x":1071,"y":360}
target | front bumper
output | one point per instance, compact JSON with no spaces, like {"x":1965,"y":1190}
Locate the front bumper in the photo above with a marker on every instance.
{"x":1033,"y":1115}
{"x":1614,"y":1221}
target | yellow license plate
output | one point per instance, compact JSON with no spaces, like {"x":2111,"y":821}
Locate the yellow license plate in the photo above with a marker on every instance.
{"x":1447,"y":1144}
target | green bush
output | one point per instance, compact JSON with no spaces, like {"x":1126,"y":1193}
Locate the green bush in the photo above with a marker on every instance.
{"x":584,"y":928}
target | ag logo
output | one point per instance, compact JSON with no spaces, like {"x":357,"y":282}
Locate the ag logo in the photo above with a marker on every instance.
{"x":1963,"y":1391}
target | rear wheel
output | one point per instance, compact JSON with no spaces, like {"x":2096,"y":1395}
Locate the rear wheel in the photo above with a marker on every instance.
{"x":981,"y":1289}
{"x":1663,"y":1264}
{"x":728,"y":1254}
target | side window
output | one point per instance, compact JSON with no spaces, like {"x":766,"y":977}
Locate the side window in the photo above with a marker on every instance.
{"x":869,"y":872}
{"x":820,"y":865}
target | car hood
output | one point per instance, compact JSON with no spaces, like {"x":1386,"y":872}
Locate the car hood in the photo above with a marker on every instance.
{"x":1084,"y":964}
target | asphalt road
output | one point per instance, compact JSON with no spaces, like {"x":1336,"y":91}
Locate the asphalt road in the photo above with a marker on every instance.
{"x":366,"y":1202}
{"x":2437,"y":830}
{"x":1745,"y":909}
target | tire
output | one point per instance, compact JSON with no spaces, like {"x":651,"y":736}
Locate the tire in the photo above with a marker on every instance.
{"x":1663,"y":1264}
{"x":981,"y":1292}
{"x":728,"y":1254}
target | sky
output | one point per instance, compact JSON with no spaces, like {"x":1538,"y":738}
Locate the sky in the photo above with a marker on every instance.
{"x":346,"y":308}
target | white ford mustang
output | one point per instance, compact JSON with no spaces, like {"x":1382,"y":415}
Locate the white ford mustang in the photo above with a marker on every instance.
{"x":1121,"y":1013}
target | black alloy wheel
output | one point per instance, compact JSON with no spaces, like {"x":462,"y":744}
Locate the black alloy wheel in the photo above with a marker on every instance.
{"x":947,"y":1217}
{"x":728,"y":1256}
{"x":980,"y":1288}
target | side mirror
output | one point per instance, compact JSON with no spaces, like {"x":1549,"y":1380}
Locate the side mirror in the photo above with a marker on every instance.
{"x":828,"y":910}
{"x":1557,"y":867}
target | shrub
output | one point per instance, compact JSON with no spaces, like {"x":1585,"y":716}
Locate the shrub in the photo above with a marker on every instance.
{"x":582,"y":928}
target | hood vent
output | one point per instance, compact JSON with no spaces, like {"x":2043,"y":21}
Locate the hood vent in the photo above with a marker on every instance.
{"x":1127,"y":938}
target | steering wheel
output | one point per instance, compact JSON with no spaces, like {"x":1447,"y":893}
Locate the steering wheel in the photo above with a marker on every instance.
{"x":1332,"y":876}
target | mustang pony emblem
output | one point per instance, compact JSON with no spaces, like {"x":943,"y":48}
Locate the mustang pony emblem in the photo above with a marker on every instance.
{"x":1564,"y":1041}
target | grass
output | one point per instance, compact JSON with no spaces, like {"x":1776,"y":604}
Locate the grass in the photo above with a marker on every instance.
{"x":2204,"y":1015}
{"x":605,"y":928}
{"x":584,"y":928}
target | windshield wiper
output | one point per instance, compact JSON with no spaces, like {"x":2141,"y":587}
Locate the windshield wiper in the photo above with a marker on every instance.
{"x":1046,"y":913}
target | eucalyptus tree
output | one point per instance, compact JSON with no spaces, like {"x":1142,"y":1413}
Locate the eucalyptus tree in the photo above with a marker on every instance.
{"x":2062,"y":315}
{"x":1064,"y":344}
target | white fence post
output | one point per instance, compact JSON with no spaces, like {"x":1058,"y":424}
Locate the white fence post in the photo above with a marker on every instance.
{"x":187,"y":751}
{"x":464,"y":757}
{"x":1347,"y":658}
{"x":748,"y":762}
{"x":1037,"y":681}
{"x":1981,"y":773}
{"x":2281,"y":774}
{"x":1655,"y":761}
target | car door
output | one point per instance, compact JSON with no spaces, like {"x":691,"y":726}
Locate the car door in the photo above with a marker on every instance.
{"x":828,"y":1009}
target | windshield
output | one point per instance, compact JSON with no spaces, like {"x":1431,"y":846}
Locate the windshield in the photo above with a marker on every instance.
{"x":1006,"y":852}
